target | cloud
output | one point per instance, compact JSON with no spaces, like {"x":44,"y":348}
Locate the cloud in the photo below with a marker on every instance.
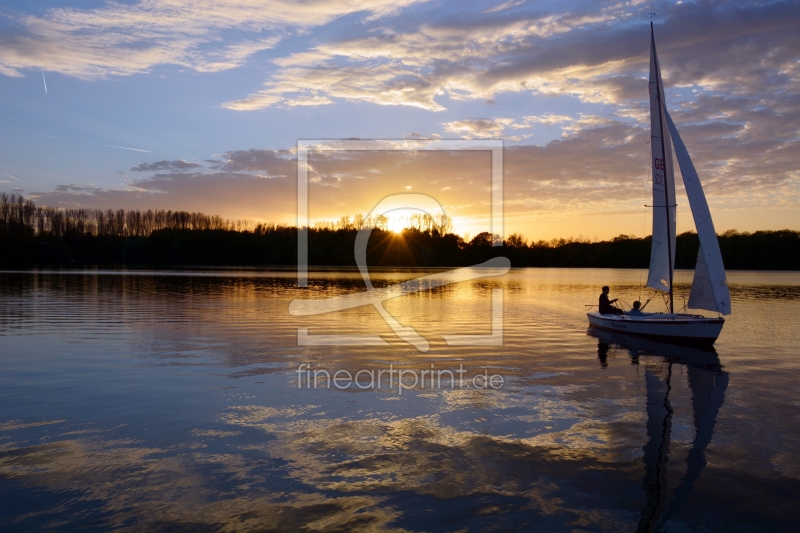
{"x":548,"y":119}
{"x":731,"y":70}
{"x":598,"y":167}
{"x":597,"y":55}
{"x":230,"y":194}
{"x":420,"y":137}
{"x":504,"y":5}
{"x":747,"y":156}
{"x":309,"y":100}
{"x":275,"y":163}
{"x":374,"y":82}
{"x":123,"y":39}
{"x":160,"y":166}
{"x":480,"y":128}
{"x":497,"y":128}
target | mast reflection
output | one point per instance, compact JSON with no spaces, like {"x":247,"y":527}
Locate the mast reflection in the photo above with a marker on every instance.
{"x":707,"y":382}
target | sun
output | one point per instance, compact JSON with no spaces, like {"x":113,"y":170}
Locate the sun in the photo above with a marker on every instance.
{"x":395,"y":224}
{"x":399,"y":219}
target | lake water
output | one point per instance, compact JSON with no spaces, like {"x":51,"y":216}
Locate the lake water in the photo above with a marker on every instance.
{"x":172,"y":401}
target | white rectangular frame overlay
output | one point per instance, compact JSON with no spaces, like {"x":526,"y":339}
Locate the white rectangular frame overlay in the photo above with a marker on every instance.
{"x":305,"y":146}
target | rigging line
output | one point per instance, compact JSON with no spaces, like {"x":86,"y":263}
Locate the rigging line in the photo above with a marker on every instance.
{"x":677,"y":232}
{"x":644,"y":218}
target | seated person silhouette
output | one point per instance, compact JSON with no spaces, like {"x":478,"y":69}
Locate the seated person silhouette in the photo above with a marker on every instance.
{"x":605,"y":304}
{"x":637,"y":309}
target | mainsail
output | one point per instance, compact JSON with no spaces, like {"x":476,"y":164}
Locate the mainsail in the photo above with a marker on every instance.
{"x":662,"y":251}
{"x":710,"y":285}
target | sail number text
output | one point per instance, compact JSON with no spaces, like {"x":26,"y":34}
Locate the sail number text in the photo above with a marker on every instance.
{"x":658,"y":164}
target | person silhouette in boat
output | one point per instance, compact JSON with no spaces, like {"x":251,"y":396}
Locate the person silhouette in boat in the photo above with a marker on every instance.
{"x":605,"y":304}
{"x":637,"y":309}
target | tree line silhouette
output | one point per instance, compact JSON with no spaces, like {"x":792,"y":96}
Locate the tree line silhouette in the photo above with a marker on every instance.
{"x":31,"y":234}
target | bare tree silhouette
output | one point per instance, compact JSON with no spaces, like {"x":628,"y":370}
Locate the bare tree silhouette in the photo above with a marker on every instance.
{"x":31,"y":233}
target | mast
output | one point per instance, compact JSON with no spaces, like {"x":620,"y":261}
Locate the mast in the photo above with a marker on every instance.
{"x":656,"y":450}
{"x":666,"y":156}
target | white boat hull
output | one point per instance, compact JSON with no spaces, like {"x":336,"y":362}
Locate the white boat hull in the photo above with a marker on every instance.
{"x":692,"y":329}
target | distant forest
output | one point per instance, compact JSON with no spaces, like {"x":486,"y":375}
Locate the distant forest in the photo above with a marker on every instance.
{"x":31,"y":234}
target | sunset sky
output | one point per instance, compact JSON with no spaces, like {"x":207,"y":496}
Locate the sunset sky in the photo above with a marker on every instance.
{"x":199,"y":105}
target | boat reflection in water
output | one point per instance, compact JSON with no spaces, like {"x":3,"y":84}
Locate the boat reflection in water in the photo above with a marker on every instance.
{"x":707,"y":382}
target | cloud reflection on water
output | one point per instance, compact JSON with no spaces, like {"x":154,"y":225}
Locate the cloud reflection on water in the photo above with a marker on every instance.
{"x":153,"y":402}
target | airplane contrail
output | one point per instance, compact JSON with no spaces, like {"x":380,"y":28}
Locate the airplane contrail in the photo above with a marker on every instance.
{"x":10,"y":176}
{"x":44,"y":81}
{"x":40,"y":135}
{"x":122,"y":147}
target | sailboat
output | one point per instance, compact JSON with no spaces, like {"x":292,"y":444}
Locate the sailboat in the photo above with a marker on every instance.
{"x":709,"y":286}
